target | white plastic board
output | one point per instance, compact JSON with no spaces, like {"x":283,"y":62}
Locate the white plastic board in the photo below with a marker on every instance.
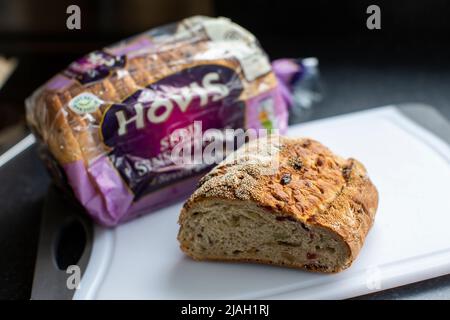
{"x":409,"y":242}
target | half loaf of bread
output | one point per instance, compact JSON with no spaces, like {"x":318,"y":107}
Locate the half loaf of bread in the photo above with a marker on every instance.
{"x":282,"y":201}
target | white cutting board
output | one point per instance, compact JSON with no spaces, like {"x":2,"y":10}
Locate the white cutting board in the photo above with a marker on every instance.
{"x":409,"y":242}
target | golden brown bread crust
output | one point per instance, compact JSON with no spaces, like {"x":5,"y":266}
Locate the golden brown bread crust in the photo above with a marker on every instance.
{"x":311,"y":185}
{"x":79,"y":140}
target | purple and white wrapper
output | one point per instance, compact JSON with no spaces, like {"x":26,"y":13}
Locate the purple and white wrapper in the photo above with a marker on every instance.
{"x":110,"y":122}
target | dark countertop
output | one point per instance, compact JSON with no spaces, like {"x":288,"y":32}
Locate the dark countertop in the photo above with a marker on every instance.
{"x":353,"y":79}
{"x":22,"y":192}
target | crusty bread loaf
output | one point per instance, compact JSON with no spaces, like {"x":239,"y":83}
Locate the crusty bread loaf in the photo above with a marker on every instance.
{"x":288,"y":202}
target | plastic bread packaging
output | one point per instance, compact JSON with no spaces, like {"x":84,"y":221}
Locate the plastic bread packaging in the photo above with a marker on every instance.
{"x":299,"y":84}
{"x":104,"y":123}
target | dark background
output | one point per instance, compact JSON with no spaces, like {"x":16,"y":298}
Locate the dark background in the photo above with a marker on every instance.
{"x":412,"y":45}
{"x":406,"y":61}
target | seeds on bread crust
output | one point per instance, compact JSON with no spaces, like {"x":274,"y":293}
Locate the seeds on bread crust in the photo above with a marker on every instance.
{"x":328,"y":203}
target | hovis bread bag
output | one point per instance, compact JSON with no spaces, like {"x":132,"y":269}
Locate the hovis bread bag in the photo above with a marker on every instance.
{"x":105,"y":124}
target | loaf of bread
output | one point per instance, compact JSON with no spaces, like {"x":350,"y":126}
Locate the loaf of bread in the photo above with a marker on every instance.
{"x":282,"y":201}
{"x":105,"y":123}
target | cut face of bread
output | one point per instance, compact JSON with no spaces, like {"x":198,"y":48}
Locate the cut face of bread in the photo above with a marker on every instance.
{"x":231,"y":230}
{"x":313,"y":211}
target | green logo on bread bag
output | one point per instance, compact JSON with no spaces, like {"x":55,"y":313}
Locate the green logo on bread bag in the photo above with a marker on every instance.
{"x":85,"y":102}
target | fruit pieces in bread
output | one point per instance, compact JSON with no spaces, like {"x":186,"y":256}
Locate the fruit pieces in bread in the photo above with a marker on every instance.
{"x":284,"y":201}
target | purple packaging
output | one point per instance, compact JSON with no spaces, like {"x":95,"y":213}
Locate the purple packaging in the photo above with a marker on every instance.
{"x":113,"y":120}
